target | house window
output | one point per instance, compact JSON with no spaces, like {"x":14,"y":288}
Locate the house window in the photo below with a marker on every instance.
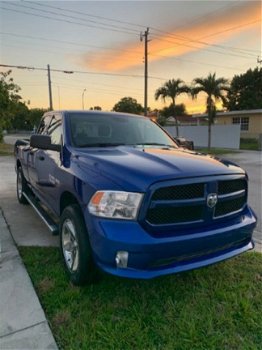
{"x":243,"y":121}
{"x":236,"y":120}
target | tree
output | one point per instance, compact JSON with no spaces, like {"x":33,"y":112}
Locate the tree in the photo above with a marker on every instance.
{"x":245,"y":91}
{"x":166,"y":112}
{"x":19,"y":120}
{"x":180,"y":109}
{"x":128,"y":105}
{"x":95,"y":108}
{"x":34,"y":117}
{"x":172,"y":89}
{"x":10,"y":100}
{"x":214,"y":89}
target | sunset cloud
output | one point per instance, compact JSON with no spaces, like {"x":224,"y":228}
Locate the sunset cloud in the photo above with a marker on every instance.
{"x":214,"y":29}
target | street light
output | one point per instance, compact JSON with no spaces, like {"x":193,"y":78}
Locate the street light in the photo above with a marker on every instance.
{"x":83,"y":105}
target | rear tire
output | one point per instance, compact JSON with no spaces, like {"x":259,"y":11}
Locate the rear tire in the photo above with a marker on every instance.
{"x":75,"y":247}
{"x":21,"y":186}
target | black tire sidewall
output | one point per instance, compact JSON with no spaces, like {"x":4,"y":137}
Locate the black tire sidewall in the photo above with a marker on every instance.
{"x":21,"y":199}
{"x":85,"y":270}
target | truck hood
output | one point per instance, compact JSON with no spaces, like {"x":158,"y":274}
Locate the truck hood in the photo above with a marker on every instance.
{"x":136,"y":168}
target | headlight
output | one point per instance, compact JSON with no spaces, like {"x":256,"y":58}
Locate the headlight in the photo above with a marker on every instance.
{"x":115,"y":204}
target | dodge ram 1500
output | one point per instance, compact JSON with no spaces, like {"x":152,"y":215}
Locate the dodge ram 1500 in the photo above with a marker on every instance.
{"x":125,"y":198}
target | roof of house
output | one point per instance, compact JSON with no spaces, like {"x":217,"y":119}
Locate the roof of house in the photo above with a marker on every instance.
{"x":181,"y":118}
{"x":230,"y":113}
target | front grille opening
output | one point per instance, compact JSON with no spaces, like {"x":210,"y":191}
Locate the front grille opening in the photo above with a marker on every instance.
{"x":174,"y":215}
{"x":230,"y":186}
{"x":227,"y":207}
{"x":180,"y":192}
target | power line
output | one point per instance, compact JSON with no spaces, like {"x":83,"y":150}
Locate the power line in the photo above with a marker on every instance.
{"x":183,"y":38}
{"x":67,"y":42}
{"x":58,"y":50}
{"x":129,"y":23}
{"x":63,"y":79}
{"x":134,"y":32}
{"x":197,"y":18}
{"x":80,"y":88}
{"x":205,"y":16}
{"x":180,"y":37}
{"x":226,"y":30}
{"x":64,"y":20}
{"x":89,"y":15}
{"x":227,"y":48}
{"x":73,"y":17}
{"x":131,"y":51}
{"x":195,"y":62}
{"x":232,"y":28}
{"x":77,"y":71}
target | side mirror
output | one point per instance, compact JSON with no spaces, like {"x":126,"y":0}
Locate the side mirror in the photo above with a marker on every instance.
{"x":43,"y":142}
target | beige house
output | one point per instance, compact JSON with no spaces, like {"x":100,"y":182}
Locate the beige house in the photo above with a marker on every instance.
{"x":250,"y":121}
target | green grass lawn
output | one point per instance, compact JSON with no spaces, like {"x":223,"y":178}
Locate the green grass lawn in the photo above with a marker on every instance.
{"x":249,"y":144}
{"x":6,"y":150}
{"x":218,"y":307}
{"x":245,"y":144}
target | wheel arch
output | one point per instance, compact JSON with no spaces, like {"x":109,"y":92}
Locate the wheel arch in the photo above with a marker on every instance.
{"x":66,"y":199}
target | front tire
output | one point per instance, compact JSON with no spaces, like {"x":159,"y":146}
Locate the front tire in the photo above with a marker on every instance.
{"x":75,"y":247}
{"x":21,"y":186}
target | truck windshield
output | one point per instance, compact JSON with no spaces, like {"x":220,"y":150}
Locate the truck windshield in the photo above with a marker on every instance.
{"x":101,"y":130}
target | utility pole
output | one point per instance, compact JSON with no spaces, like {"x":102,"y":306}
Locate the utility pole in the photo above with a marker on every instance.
{"x":49,"y":88}
{"x":145,"y":35}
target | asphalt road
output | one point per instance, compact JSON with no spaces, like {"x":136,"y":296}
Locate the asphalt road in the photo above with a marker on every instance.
{"x":28,"y":229}
{"x":251,"y":161}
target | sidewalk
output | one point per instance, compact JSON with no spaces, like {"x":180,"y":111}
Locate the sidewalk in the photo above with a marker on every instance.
{"x":23,"y":324}
{"x":257,"y":236}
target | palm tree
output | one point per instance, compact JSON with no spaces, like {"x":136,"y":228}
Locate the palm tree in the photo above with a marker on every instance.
{"x":214,"y":89}
{"x":171,"y":89}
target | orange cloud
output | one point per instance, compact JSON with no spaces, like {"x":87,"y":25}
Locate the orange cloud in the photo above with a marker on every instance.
{"x":212,"y":29}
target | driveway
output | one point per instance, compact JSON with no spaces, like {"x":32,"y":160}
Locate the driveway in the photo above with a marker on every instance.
{"x":25,"y":225}
{"x":29,"y":230}
{"x":251,"y":161}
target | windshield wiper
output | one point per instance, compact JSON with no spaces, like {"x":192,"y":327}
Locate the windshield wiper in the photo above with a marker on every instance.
{"x":101,"y":145}
{"x":155,"y":144}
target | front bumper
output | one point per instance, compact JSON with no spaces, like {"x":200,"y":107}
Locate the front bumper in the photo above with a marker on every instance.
{"x":150,"y":256}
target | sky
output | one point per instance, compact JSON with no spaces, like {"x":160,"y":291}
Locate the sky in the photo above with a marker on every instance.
{"x":99,"y":42}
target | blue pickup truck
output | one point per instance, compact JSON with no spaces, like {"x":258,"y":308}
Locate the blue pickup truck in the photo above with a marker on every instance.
{"x":124,"y":198}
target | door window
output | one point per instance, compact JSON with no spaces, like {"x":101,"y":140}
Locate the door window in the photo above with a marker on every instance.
{"x":56,"y":134}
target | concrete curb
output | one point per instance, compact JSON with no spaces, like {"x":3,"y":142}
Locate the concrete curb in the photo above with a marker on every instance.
{"x":23,"y":324}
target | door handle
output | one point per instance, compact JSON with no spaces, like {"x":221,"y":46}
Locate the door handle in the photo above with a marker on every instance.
{"x":41,"y":157}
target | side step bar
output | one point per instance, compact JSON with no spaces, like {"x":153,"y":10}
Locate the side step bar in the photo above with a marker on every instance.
{"x":50,"y":223}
